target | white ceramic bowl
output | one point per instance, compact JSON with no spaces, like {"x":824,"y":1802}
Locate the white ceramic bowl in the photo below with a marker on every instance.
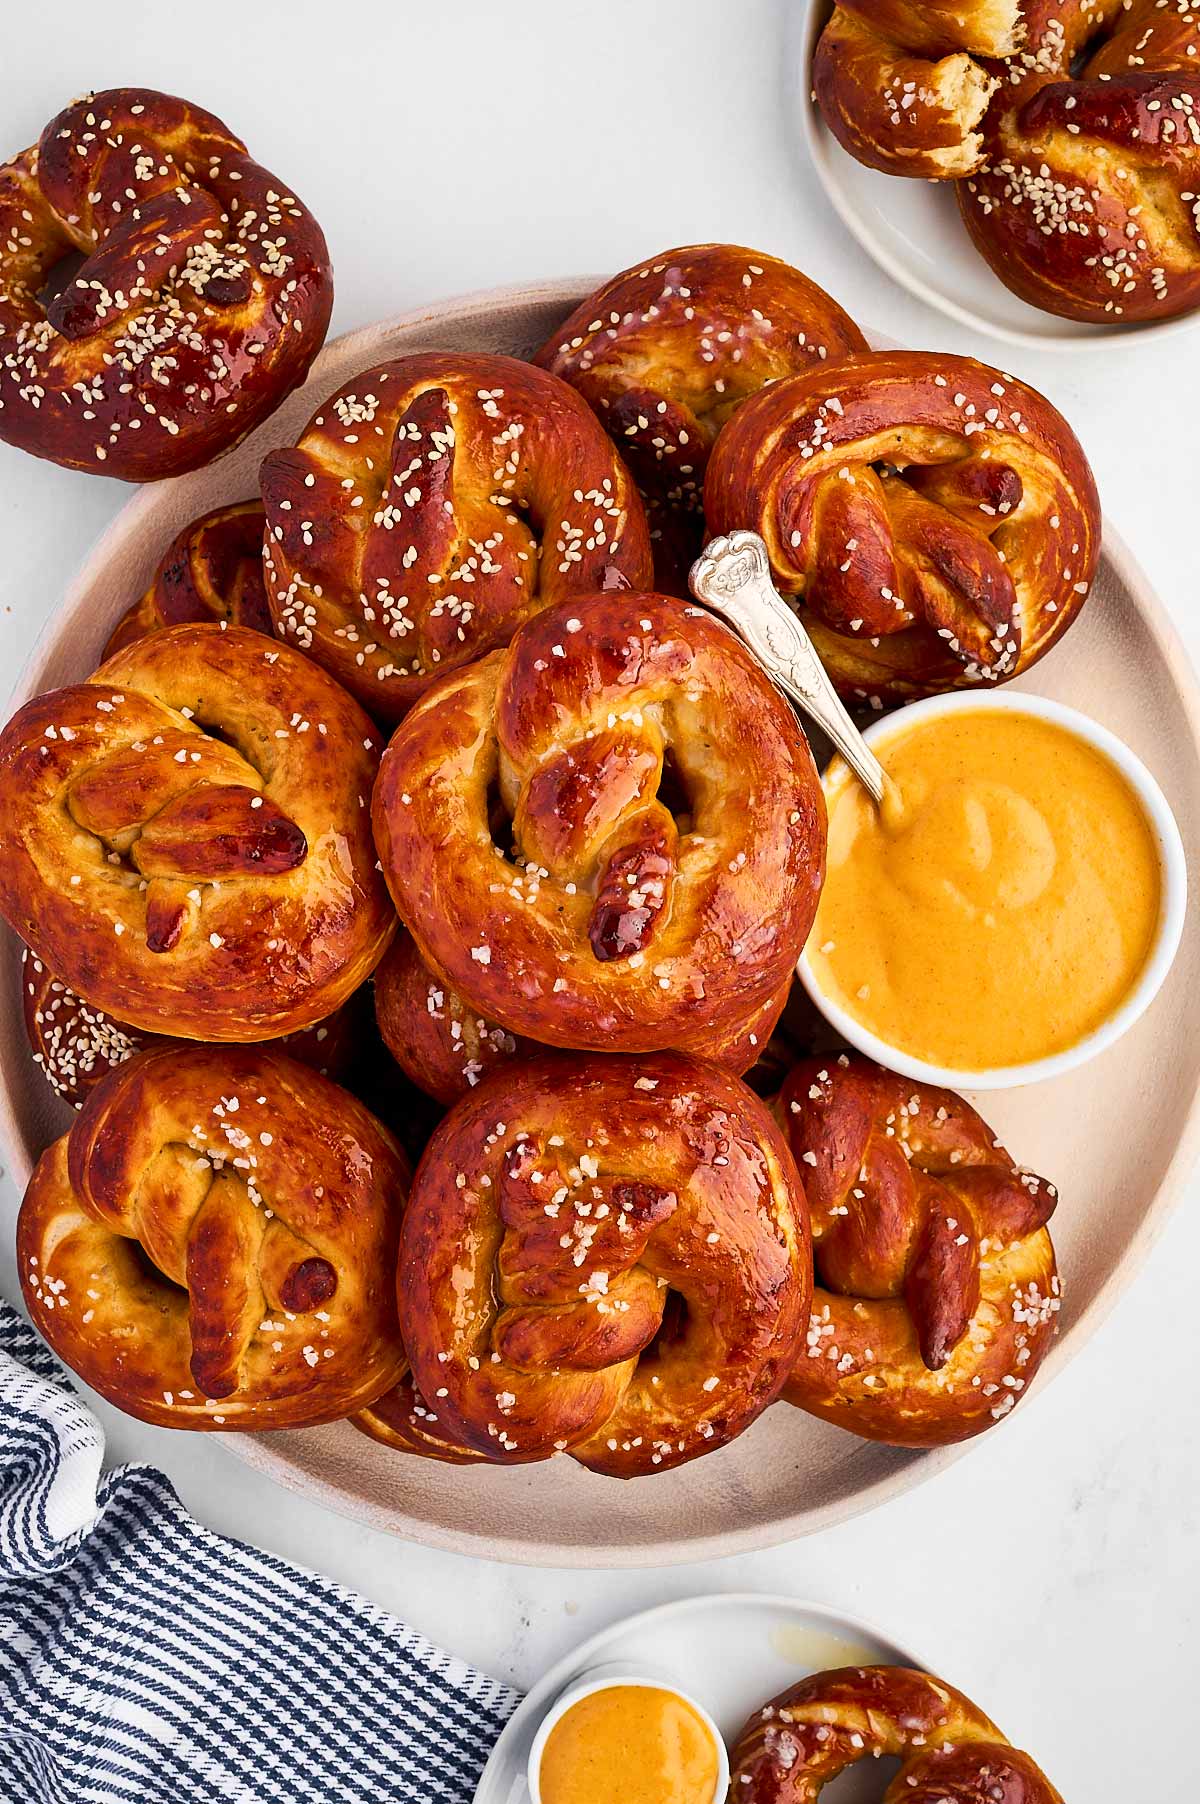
{"x":606,"y":1678}
{"x":914,"y":232}
{"x":1173,"y":907}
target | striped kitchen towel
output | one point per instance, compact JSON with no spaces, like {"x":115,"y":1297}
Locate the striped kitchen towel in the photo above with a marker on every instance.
{"x":143,"y":1658}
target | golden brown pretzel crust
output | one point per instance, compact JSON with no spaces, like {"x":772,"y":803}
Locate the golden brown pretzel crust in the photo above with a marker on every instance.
{"x":667,"y":350}
{"x":402,"y":1420}
{"x":218,"y":888}
{"x":936,"y":1289}
{"x":950,"y":1752}
{"x":75,"y":1043}
{"x":1086,"y":206}
{"x":896,"y":107}
{"x":212,"y":570}
{"x":935,"y":521}
{"x":627,"y":917}
{"x":443,"y":1044}
{"x":561,"y":1212}
{"x":212,"y":1245}
{"x":430,"y":507}
{"x":205,"y":295}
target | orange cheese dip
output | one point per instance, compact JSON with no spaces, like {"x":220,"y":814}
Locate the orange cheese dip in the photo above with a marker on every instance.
{"x":632,"y":1743}
{"x":1001,"y":904}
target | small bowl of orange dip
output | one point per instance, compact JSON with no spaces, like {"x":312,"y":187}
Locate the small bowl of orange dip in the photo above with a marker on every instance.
{"x":623,"y":1732}
{"x":1011,"y":908}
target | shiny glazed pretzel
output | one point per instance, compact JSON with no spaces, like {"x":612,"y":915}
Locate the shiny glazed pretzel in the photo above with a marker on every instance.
{"x":899,"y":85}
{"x":204,"y":297}
{"x":666,"y":351}
{"x":935,"y":522}
{"x":430,"y":507}
{"x":949,"y":1751}
{"x":435,"y":1036}
{"x":212,"y":570}
{"x":610,"y":835}
{"x":212,"y":1244}
{"x":75,"y":1044}
{"x":936,"y":1287}
{"x":185,"y":838}
{"x":603,"y":1257}
{"x":1087,"y":202}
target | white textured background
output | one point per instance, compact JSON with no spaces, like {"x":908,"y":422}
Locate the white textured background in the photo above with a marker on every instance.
{"x":1055,"y":1573}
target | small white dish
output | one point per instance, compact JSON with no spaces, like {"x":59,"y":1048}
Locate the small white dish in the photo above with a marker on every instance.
{"x":733,"y":1652}
{"x":914,"y":232}
{"x":1172,"y":910}
{"x":607,"y":1677}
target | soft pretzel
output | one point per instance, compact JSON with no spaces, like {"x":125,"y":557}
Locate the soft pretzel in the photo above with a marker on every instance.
{"x":935,"y":522}
{"x":435,"y":1036}
{"x":203,"y":298}
{"x":212,"y":570}
{"x":430,"y":507}
{"x":666,"y":351}
{"x":936,"y":1289}
{"x":1087,"y":203}
{"x":212,"y":1245}
{"x":949,"y":1751}
{"x":603,"y":1257}
{"x":75,"y":1044}
{"x":185,"y":838}
{"x":402,"y":1420}
{"x":896,"y":105}
{"x":610,"y":835}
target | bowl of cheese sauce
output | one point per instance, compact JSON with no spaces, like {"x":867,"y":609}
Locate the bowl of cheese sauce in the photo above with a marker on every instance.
{"x":1011,"y":908}
{"x":617,"y":1733}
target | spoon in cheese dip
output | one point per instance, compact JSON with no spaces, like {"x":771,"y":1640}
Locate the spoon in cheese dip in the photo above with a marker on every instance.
{"x":1015,"y":913}
{"x":620,"y":1734}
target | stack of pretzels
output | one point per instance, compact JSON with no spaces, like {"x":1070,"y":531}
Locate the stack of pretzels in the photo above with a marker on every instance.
{"x":574,"y":882}
{"x":1071,"y":127}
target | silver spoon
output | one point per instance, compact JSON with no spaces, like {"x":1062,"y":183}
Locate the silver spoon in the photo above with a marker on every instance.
{"x":732,"y":576}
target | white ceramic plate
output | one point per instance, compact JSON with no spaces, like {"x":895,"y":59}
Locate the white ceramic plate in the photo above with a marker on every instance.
{"x":1118,"y":1137}
{"x":732,"y":1654}
{"x":914,"y":231}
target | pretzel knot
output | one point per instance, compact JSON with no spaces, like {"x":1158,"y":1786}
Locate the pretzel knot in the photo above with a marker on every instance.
{"x":666,"y":351}
{"x":605,"y":1258}
{"x":212,"y":1243}
{"x":936,"y":521}
{"x":1086,"y":203}
{"x":204,"y":295}
{"x":949,"y":1751}
{"x":185,"y":837}
{"x":430,"y":507}
{"x":611,"y":835}
{"x":212,"y":570}
{"x":936,"y":1283}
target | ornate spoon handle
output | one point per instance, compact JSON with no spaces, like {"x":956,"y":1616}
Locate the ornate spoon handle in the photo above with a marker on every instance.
{"x":732,"y":576}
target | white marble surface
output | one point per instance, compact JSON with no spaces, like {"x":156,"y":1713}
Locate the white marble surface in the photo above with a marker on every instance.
{"x":1055,"y":1573}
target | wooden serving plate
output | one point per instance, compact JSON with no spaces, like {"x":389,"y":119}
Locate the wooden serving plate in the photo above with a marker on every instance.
{"x":1118,"y":1136}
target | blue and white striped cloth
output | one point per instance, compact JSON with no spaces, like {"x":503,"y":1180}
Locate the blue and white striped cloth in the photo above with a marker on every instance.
{"x":145,"y":1659}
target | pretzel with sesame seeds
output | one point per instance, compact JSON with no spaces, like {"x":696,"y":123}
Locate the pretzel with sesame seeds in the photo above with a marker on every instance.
{"x":185,"y":838}
{"x":212,"y":570}
{"x":211,"y":1246}
{"x":74,"y":1044}
{"x":431,"y":506}
{"x":603,"y":1257}
{"x":934,"y":521}
{"x":949,"y":1751}
{"x":667,"y":350}
{"x":1088,"y":203}
{"x":611,"y":835}
{"x":901,"y":87}
{"x":204,"y":297}
{"x":937,"y":1289}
